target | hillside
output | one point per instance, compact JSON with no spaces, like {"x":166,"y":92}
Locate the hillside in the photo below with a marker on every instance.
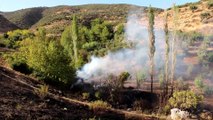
{"x":56,"y":18}
{"x":25,"y":18}
{"x":6,"y":25}
{"x":195,"y":17}
{"x":192,"y":17}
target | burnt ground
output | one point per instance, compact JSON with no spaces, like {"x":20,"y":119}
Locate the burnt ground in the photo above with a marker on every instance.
{"x":18,"y":101}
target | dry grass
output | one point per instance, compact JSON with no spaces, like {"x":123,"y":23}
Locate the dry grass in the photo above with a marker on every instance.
{"x":42,"y":91}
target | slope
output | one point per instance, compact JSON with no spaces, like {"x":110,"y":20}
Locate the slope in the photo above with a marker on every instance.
{"x":6,"y":25}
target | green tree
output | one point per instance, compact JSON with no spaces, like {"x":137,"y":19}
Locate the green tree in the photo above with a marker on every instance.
{"x":47,"y":60}
{"x":75,"y":40}
{"x":69,"y":40}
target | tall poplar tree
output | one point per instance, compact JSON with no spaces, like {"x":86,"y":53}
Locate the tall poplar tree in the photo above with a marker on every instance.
{"x":166,"y":31}
{"x":151,"y":17}
{"x":174,"y":46}
{"x":75,"y":39}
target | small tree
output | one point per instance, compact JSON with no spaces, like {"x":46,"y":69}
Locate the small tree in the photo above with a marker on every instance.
{"x":140,"y":78}
{"x":123,"y":77}
{"x":199,"y":82}
{"x":203,"y":52}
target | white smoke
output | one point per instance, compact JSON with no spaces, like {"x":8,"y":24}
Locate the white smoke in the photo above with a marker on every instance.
{"x":129,"y":60}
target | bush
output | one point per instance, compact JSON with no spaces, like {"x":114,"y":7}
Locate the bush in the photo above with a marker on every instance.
{"x":98,"y":95}
{"x":208,"y":90}
{"x":18,"y":62}
{"x":99,"y":104}
{"x":193,"y":7}
{"x":85,"y":96}
{"x":204,"y":15}
{"x":185,"y":100}
{"x":199,"y":82}
{"x":181,"y":85}
{"x":210,"y":57}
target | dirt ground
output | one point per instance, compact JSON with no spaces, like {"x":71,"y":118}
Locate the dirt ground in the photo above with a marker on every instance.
{"x":18,"y":101}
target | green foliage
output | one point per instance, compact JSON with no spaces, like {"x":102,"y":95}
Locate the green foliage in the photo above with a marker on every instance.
{"x":123,"y":77}
{"x":185,"y":100}
{"x":199,"y":82}
{"x":17,"y":62}
{"x":75,"y":39}
{"x":49,"y":62}
{"x":90,"y":46}
{"x":12,"y":39}
{"x":44,"y":58}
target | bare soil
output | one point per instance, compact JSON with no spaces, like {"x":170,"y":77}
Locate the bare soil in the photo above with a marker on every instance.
{"x":18,"y":101}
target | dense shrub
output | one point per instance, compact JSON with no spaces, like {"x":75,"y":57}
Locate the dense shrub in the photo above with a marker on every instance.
{"x":185,"y":100}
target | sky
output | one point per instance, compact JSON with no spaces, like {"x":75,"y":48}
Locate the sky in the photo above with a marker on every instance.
{"x":12,"y":5}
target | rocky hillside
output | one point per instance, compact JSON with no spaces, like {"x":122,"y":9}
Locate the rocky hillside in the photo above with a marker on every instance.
{"x":6,"y":25}
{"x":195,"y":17}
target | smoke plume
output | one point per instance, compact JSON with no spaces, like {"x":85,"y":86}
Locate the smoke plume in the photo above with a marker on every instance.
{"x":130,"y":60}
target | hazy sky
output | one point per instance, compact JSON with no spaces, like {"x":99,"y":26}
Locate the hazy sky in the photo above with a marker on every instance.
{"x":11,"y":5}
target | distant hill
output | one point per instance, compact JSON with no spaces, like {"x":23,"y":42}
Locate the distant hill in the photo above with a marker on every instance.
{"x":25,"y":18}
{"x":6,"y":25}
{"x":54,"y":19}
